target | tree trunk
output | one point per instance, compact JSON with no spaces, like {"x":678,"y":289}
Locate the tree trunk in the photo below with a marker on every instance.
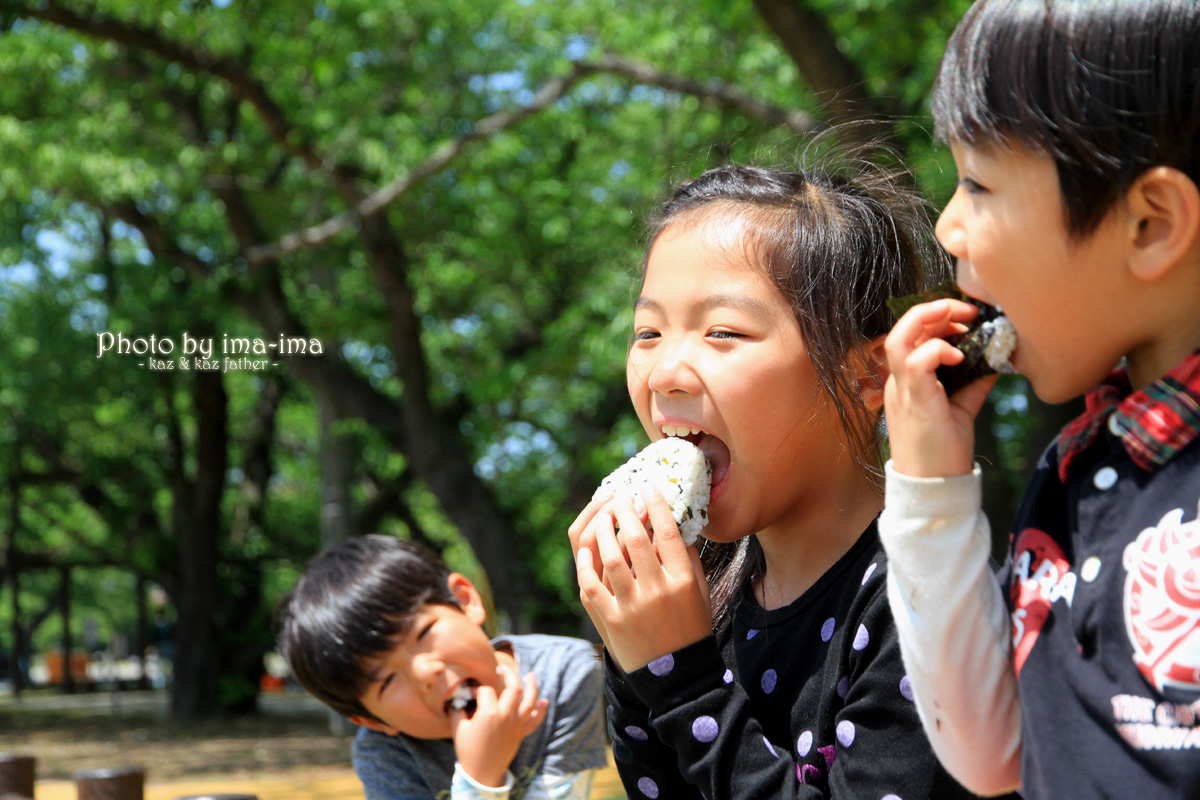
{"x":838,"y":84}
{"x":198,"y":531}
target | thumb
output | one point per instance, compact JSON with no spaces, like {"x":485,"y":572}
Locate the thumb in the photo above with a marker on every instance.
{"x":701,"y":578}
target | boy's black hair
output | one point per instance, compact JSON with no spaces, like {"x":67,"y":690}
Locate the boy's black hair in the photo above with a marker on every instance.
{"x":1106,"y":88}
{"x":349,"y":606}
{"x":837,"y":244}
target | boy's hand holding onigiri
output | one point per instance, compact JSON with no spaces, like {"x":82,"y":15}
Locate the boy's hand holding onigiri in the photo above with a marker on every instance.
{"x":486,"y":741}
{"x":647,"y":596}
{"x":931,"y":435}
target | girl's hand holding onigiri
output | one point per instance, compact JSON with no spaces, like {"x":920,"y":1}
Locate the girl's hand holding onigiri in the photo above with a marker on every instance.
{"x":648,"y":597}
{"x":931,"y":435}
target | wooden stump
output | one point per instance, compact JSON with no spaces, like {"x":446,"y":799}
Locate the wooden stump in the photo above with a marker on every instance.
{"x":16,"y":775}
{"x":126,"y":783}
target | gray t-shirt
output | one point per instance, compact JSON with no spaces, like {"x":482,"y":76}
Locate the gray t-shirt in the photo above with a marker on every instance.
{"x":570,"y":738}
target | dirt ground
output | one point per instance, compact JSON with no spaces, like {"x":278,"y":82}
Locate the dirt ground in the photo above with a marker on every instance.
{"x":102,"y":730}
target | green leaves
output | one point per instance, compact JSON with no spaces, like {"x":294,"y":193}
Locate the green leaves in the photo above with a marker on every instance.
{"x":166,"y":140}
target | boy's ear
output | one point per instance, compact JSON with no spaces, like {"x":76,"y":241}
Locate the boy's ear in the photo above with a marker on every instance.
{"x":871,"y":372}
{"x":1164,"y":208}
{"x":373,"y":724}
{"x":468,"y":597}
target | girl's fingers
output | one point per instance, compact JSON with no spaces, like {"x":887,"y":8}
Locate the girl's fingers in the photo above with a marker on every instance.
{"x":667,"y":539}
{"x":575,"y":531}
{"x":637,"y":543}
{"x":612,"y":559}
{"x":595,"y":594}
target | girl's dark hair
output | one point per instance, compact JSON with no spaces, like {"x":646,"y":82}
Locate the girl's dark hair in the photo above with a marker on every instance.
{"x":349,"y":606}
{"x":837,"y":247}
{"x":1106,"y":88}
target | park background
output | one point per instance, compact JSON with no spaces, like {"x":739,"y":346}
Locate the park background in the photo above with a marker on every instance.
{"x":444,"y":203}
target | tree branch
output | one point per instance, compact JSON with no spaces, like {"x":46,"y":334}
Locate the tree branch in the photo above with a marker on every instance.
{"x":722,"y":93}
{"x":229,"y":70}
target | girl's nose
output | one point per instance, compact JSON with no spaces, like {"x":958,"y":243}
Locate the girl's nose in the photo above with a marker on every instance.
{"x":950,"y":229}
{"x":673,"y":369}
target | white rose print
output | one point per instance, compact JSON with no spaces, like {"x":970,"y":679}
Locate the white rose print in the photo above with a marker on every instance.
{"x":1162,"y":601}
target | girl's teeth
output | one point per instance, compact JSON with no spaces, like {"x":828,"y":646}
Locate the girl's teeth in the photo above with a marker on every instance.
{"x":678,"y":430}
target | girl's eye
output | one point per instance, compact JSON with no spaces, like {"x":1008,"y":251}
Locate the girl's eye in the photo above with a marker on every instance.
{"x":972,"y":186}
{"x":423,"y":631}
{"x":644,"y":335}
{"x":722,"y":334}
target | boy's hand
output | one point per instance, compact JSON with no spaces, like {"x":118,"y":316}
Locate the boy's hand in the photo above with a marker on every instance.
{"x":486,"y":742}
{"x":648,"y":597}
{"x":931,"y":435}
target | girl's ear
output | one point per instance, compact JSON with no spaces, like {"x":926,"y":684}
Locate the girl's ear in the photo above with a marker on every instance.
{"x":869,"y":362}
{"x":468,"y":597}
{"x":1164,"y":209}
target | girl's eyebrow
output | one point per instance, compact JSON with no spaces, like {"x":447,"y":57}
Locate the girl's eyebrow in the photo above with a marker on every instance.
{"x":737,"y":302}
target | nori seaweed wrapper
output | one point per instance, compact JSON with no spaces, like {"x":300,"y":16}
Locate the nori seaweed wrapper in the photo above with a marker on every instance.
{"x":971,"y":342}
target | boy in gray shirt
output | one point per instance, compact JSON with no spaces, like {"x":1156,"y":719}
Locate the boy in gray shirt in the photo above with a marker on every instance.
{"x":381,"y":631}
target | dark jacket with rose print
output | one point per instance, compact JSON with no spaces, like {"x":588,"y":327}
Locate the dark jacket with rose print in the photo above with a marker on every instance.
{"x":1103,"y":583}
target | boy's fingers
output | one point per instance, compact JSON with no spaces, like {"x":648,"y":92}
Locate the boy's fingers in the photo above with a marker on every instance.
{"x":971,"y":397}
{"x":510,"y":696}
{"x":928,"y":321}
{"x":531,"y":721}
{"x":529,"y":698}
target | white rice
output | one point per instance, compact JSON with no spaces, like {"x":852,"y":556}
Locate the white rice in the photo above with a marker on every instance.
{"x":682,"y":475}
{"x":461,"y":698}
{"x":1001,"y":341}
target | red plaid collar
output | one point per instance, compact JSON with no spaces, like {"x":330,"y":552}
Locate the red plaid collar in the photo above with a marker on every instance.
{"x":1153,"y":423}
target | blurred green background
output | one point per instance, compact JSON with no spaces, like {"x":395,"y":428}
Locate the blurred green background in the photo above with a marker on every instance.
{"x":444,"y":202}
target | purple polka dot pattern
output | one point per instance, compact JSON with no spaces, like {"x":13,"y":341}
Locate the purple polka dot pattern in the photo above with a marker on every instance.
{"x":770,"y":748}
{"x":906,"y":690}
{"x":750,"y":634}
{"x":845,"y":733}
{"x":728,"y":676}
{"x":634,"y":732}
{"x":827,"y":629}
{"x":867,"y":575}
{"x":891,"y":797}
{"x":648,"y":787}
{"x":768,"y":681}
{"x":704,"y":729}
{"x":661,"y":666}
{"x":843,"y":687}
{"x":861,"y":638}
{"x":804,"y":744}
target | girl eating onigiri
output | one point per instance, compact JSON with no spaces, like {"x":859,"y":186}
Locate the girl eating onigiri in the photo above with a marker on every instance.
{"x":764,"y":661}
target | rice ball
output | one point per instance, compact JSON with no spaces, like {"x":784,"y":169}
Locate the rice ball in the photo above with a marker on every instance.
{"x":680,"y":472}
